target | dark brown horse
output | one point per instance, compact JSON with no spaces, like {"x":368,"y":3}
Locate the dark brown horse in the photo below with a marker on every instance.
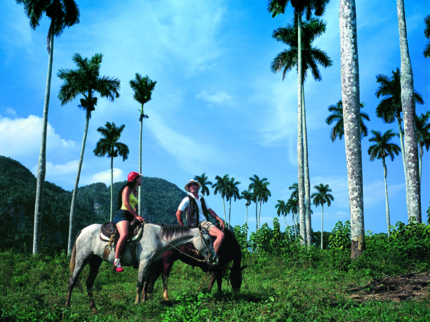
{"x":229,"y":251}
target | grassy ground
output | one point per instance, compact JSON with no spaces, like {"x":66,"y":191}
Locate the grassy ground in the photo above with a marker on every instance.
{"x":311,"y":287}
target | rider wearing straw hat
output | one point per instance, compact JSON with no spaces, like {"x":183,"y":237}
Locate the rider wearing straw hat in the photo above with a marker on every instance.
{"x":198,"y":211}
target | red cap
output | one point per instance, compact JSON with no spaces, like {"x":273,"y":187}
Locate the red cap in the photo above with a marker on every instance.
{"x":133,"y":175}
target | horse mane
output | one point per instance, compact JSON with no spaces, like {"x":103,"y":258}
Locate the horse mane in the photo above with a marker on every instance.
{"x":168,"y":231}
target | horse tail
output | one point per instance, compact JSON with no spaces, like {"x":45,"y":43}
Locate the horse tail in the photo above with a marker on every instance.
{"x":73,"y":263}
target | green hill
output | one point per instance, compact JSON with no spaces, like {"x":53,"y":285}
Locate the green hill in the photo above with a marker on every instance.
{"x":17,"y":197}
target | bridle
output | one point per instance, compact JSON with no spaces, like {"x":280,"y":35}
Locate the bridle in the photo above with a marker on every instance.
{"x":196,"y":251}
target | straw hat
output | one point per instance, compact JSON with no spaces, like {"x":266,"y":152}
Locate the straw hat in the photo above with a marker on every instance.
{"x":192,"y":181}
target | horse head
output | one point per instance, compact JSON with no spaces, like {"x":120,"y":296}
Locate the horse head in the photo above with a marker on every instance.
{"x":203,"y":244}
{"x":236,"y":277}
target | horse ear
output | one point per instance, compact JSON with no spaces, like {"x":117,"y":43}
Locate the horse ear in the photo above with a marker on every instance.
{"x":243,"y":267}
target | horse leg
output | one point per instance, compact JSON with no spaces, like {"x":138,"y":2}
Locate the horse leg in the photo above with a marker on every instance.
{"x":213,"y":278}
{"x":80,"y":263}
{"x":95,"y":262}
{"x":154,"y":274}
{"x":165,"y":292}
{"x":219,"y":281}
{"x":141,"y":279}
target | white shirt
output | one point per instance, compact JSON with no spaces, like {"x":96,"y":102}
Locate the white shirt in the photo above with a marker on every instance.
{"x":185,"y":202}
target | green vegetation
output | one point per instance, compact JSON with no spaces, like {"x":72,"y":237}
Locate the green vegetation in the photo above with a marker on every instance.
{"x":17,"y":198}
{"x":283,"y":282}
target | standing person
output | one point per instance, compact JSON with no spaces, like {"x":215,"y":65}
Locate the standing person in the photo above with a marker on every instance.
{"x":127,"y":213}
{"x":198,"y":213}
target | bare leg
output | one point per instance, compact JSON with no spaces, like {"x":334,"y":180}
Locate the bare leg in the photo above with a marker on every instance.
{"x":123,"y":233}
{"x":95,"y":262}
{"x":219,"y":235}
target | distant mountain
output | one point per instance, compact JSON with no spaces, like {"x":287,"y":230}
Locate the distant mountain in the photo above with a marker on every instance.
{"x":17,"y":197}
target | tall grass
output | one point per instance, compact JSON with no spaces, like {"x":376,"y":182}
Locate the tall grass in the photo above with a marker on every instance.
{"x":288,"y":283}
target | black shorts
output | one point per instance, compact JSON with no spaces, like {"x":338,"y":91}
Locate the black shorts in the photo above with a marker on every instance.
{"x":122,"y":215}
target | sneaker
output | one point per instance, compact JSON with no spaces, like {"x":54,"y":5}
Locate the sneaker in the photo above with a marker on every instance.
{"x":118,"y":267}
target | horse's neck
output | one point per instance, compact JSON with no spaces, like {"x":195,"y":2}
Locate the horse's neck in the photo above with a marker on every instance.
{"x":178,"y":238}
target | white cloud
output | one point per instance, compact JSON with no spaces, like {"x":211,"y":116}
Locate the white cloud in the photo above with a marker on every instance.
{"x":192,"y":156}
{"x":10,"y":111}
{"x":374,"y":193}
{"x":21,"y":137}
{"x":220,"y":97}
{"x":103,"y":176}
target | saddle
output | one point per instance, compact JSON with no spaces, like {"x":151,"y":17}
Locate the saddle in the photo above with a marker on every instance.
{"x":109,"y":233}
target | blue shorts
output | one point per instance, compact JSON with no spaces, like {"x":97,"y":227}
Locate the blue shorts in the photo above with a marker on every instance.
{"x":122,"y":215}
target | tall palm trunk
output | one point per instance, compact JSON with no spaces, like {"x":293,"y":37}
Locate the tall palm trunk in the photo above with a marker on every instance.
{"x":402,"y":147}
{"x":259,"y":214}
{"x":139,"y":206}
{"x":300,"y":137}
{"x":387,"y":211}
{"x":421,"y":162}
{"x":229,"y":214}
{"x":75,"y":189}
{"x":41,"y":169}
{"x":256,"y":215}
{"x":111,"y":188}
{"x":322,"y":217}
{"x":306,"y":173}
{"x":351,"y":114}
{"x":246,"y":221}
{"x":408,"y":109}
{"x":225,"y":216}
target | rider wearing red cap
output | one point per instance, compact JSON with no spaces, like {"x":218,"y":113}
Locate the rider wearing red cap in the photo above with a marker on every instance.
{"x":127,"y":213}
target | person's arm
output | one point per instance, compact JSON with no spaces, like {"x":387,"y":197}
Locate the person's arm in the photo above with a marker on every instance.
{"x":125,"y":199}
{"x":215,"y":216}
{"x":182,"y":206}
{"x":179,"y":217}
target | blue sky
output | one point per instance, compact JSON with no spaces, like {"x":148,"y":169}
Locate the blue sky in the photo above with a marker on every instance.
{"x":217,"y":107}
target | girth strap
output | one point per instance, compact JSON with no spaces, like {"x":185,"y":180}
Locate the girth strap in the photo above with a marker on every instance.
{"x":133,"y":255}
{"x":108,"y":247}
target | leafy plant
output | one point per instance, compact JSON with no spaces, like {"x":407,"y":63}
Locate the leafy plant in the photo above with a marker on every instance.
{"x":340,"y":237}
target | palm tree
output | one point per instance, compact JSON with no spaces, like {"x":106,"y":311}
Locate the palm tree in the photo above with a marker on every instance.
{"x":408,"y":109}
{"x":109,"y":145}
{"x":281,"y":207}
{"x":142,"y":87}
{"x":321,"y":197}
{"x":247,"y":195}
{"x":292,"y":206}
{"x":287,"y":60}
{"x":380,"y":150}
{"x":85,"y":81}
{"x":306,"y":6}
{"x":63,"y":13}
{"x":203,"y":180}
{"x":337,"y":116}
{"x":220,"y":186}
{"x":351,"y":112}
{"x":427,"y":35}
{"x":422,"y":126}
{"x":295,"y":193}
{"x":390,"y":108}
{"x":232,"y":192}
{"x":259,"y":192}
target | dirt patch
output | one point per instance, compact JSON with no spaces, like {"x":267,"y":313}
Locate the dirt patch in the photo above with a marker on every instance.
{"x":412,"y":286}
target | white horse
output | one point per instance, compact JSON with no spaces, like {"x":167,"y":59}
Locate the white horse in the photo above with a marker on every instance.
{"x":156,"y":240}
